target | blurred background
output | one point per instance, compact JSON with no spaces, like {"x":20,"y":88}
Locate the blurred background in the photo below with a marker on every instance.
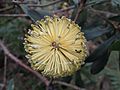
{"x":100,"y":22}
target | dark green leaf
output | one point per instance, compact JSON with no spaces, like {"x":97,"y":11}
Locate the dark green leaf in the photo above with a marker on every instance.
{"x":115,"y":46}
{"x":101,"y":49}
{"x":81,"y":18}
{"x":100,"y":63}
{"x":94,"y":2}
{"x":115,"y":2}
{"x":76,"y":1}
{"x":67,"y":80}
{"x":78,"y":79}
{"x":115,"y":18}
{"x":13,"y":34}
{"x":113,"y":62}
{"x":92,"y":33}
{"x":10,"y":85}
{"x":114,"y":76}
{"x":90,"y":2}
{"x":33,"y":14}
{"x":85,"y":73}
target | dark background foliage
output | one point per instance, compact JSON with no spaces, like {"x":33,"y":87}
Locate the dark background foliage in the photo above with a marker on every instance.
{"x":100,"y":22}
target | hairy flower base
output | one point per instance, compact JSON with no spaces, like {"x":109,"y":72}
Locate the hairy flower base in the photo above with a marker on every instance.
{"x":55,"y":46}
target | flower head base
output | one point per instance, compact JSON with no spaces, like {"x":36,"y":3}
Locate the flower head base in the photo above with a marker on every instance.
{"x":55,"y":46}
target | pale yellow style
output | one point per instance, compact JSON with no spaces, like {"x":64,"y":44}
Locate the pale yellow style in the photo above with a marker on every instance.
{"x":55,"y":46}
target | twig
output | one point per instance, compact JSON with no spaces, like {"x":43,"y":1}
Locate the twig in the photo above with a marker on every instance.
{"x":6,"y":8}
{"x":44,"y":5}
{"x":108,"y":14}
{"x":1,"y":85}
{"x":11,"y":2}
{"x":80,"y":8}
{"x":115,"y":25}
{"x":35,"y":4}
{"x":119,"y":59}
{"x":63,"y":10}
{"x":24,"y":15}
{"x":13,"y":15}
{"x":5,"y":70}
{"x":68,"y":85}
{"x":50,"y":86}
{"x":24,"y":1}
{"x":38,"y":5}
{"x":18,"y":61}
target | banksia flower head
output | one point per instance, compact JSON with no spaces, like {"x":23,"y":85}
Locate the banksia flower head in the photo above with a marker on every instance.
{"x":55,"y":46}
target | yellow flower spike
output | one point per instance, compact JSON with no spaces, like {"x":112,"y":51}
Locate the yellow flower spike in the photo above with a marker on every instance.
{"x":55,"y":46}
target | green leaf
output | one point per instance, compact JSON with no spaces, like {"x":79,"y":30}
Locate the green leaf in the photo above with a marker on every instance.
{"x":81,"y":19}
{"x":90,"y":2}
{"x":100,"y":63}
{"x":76,"y":1}
{"x":95,"y":32}
{"x":12,"y":34}
{"x":113,"y":62}
{"x":78,"y":79}
{"x":101,"y":49}
{"x":100,"y":56}
{"x":33,"y":14}
{"x":87,"y":77}
{"x":10,"y":85}
{"x":115,"y":2}
{"x":67,"y":79}
{"x":94,"y":2}
{"x":114,"y":76}
{"x":115,"y":18}
{"x":115,"y":46}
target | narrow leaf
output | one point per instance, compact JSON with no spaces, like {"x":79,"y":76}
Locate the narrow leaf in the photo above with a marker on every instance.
{"x":114,"y":76}
{"x":100,"y":63}
{"x":115,"y":46}
{"x":101,"y":49}
{"x":33,"y":14}
{"x":93,"y":33}
{"x":10,"y":85}
{"x":115,"y":18}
